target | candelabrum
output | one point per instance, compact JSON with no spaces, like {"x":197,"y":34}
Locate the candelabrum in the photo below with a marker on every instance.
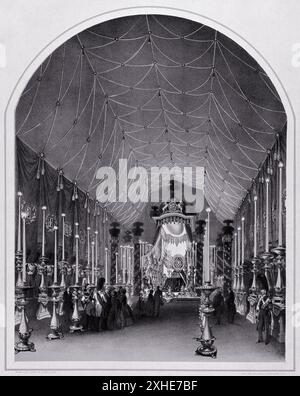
{"x":24,"y":333}
{"x":43,"y":312}
{"x":75,"y":315}
{"x":62,"y":265}
{"x":253,"y":297}
{"x":266,"y":258}
{"x":55,"y":328}
{"x":278,"y":300}
{"x":19,"y":281}
{"x":206,"y":339}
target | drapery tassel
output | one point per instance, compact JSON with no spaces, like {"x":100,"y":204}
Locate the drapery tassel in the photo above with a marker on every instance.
{"x":269,"y":164}
{"x":60,"y":180}
{"x":75,"y":192}
{"x":41,"y":166}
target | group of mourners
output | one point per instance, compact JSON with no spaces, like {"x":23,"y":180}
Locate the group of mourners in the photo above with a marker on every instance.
{"x":148,"y":304}
{"x":263,"y":312}
{"x":223,"y":306}
{"x":107,"y":307}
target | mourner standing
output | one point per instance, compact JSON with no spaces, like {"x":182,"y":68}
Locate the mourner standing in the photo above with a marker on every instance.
{"x":263,"y":317}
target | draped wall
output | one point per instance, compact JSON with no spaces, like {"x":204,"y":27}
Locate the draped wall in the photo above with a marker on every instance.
{"x":268,"y":169}
{"x":41,"y":185}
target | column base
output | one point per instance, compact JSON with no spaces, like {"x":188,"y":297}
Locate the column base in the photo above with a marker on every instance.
{"x":55,"y":335}
{"x":24,"y":346}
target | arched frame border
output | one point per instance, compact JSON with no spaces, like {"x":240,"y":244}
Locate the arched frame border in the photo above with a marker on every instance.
{"x":9,"y":137}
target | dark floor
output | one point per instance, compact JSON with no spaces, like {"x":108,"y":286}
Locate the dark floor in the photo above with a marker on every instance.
{"x":167,"y":338}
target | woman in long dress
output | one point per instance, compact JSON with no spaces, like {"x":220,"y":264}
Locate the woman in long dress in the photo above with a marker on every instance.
{"x":127,"y":311}
{"x":139,"y":308}
{"x":150,"y":304}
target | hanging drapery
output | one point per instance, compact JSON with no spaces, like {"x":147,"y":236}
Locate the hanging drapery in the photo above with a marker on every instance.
{"x":270,"y":170}
{"x":42,"y":185}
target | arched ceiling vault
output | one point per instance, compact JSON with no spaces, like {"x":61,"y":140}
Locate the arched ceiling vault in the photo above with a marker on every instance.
{"x":159,"y":91}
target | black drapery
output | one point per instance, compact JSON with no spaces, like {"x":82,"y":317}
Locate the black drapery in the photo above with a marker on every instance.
{"x":42,"y":185}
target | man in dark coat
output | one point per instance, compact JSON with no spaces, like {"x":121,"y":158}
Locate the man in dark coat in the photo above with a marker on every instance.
{"x":157,"y":301}
{"x":263,"y":317}
{"x":218,"y":305}
{"x":230,"y":305}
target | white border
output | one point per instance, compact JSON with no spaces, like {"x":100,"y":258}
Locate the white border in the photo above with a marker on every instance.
{"x":10,"y":210}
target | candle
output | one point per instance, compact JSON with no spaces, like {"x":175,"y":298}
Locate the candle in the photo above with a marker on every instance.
{"x":243,"y":240}
{"x":96,"y":250}
{"x":106,"y":265}
{"x":207,"y":263}
{"x":235,"y":261}
{"x":19,"y":221}
{"x":239,"y":246}
{"x":24,"y":248}
{"x":77,"y":258}
{"x":124,"y":264}
{"x":63,"y":237}
{"x":88,"y":247}
{"x":55,"y":254}
{"x":93,"y":262}
{"x":267,"y":214}
{"x":255,"y":227}
{"x":280,"y":166}
{"x":43,"y":230}
{"x":116,"y":267}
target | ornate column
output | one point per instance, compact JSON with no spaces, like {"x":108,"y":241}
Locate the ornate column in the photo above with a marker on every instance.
{"x":137,"y":231}
{"x":114,"y":246}
{"x":227,"y":253}
{"x":242,"y":295}
{"x":127,"y":239}
{"x":253,"y":297}
{"x":234,"y":284}
{"x":199,"y":231}
{"x":267,"y":256}
{"x":278,"y":301}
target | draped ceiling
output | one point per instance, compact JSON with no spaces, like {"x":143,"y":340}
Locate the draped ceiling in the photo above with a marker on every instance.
{"x":160,"y":91}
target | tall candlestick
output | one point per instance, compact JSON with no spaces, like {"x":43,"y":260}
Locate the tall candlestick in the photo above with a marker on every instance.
{"x":88,"y":248}
{"x":239,"y":246}
{"x":63,"y":237}
{"x":124,"y":263}
{"x":235,"y":249}
{"x":267,"y":215}
{"x":235,"y":262}
{"x":243,"y":240}
{"x":19,"y":221}
{"x":106,"y":265}
{"x":255,"y":227}
{"x":24,"y":249}
{"x":207,"y":263}
{"x":280,"y":166}
{"x":43,"y":230}
{"x":93,"y":262}
{"x":77,"y":258}
{"x":55,"y":254}
{"x":117,"y":268}
{"x":96,"y":251}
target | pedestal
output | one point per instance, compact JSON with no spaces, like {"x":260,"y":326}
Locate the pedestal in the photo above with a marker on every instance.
{"x":24,"y":333}
{"x":55,"y":329}
{"x":266,"y":258}
{"x":207,"y":339}
{"x":241,"y":303}
{"x":75,"y":327}
{"x":19,"y":281}
{"x":253,"y":297}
